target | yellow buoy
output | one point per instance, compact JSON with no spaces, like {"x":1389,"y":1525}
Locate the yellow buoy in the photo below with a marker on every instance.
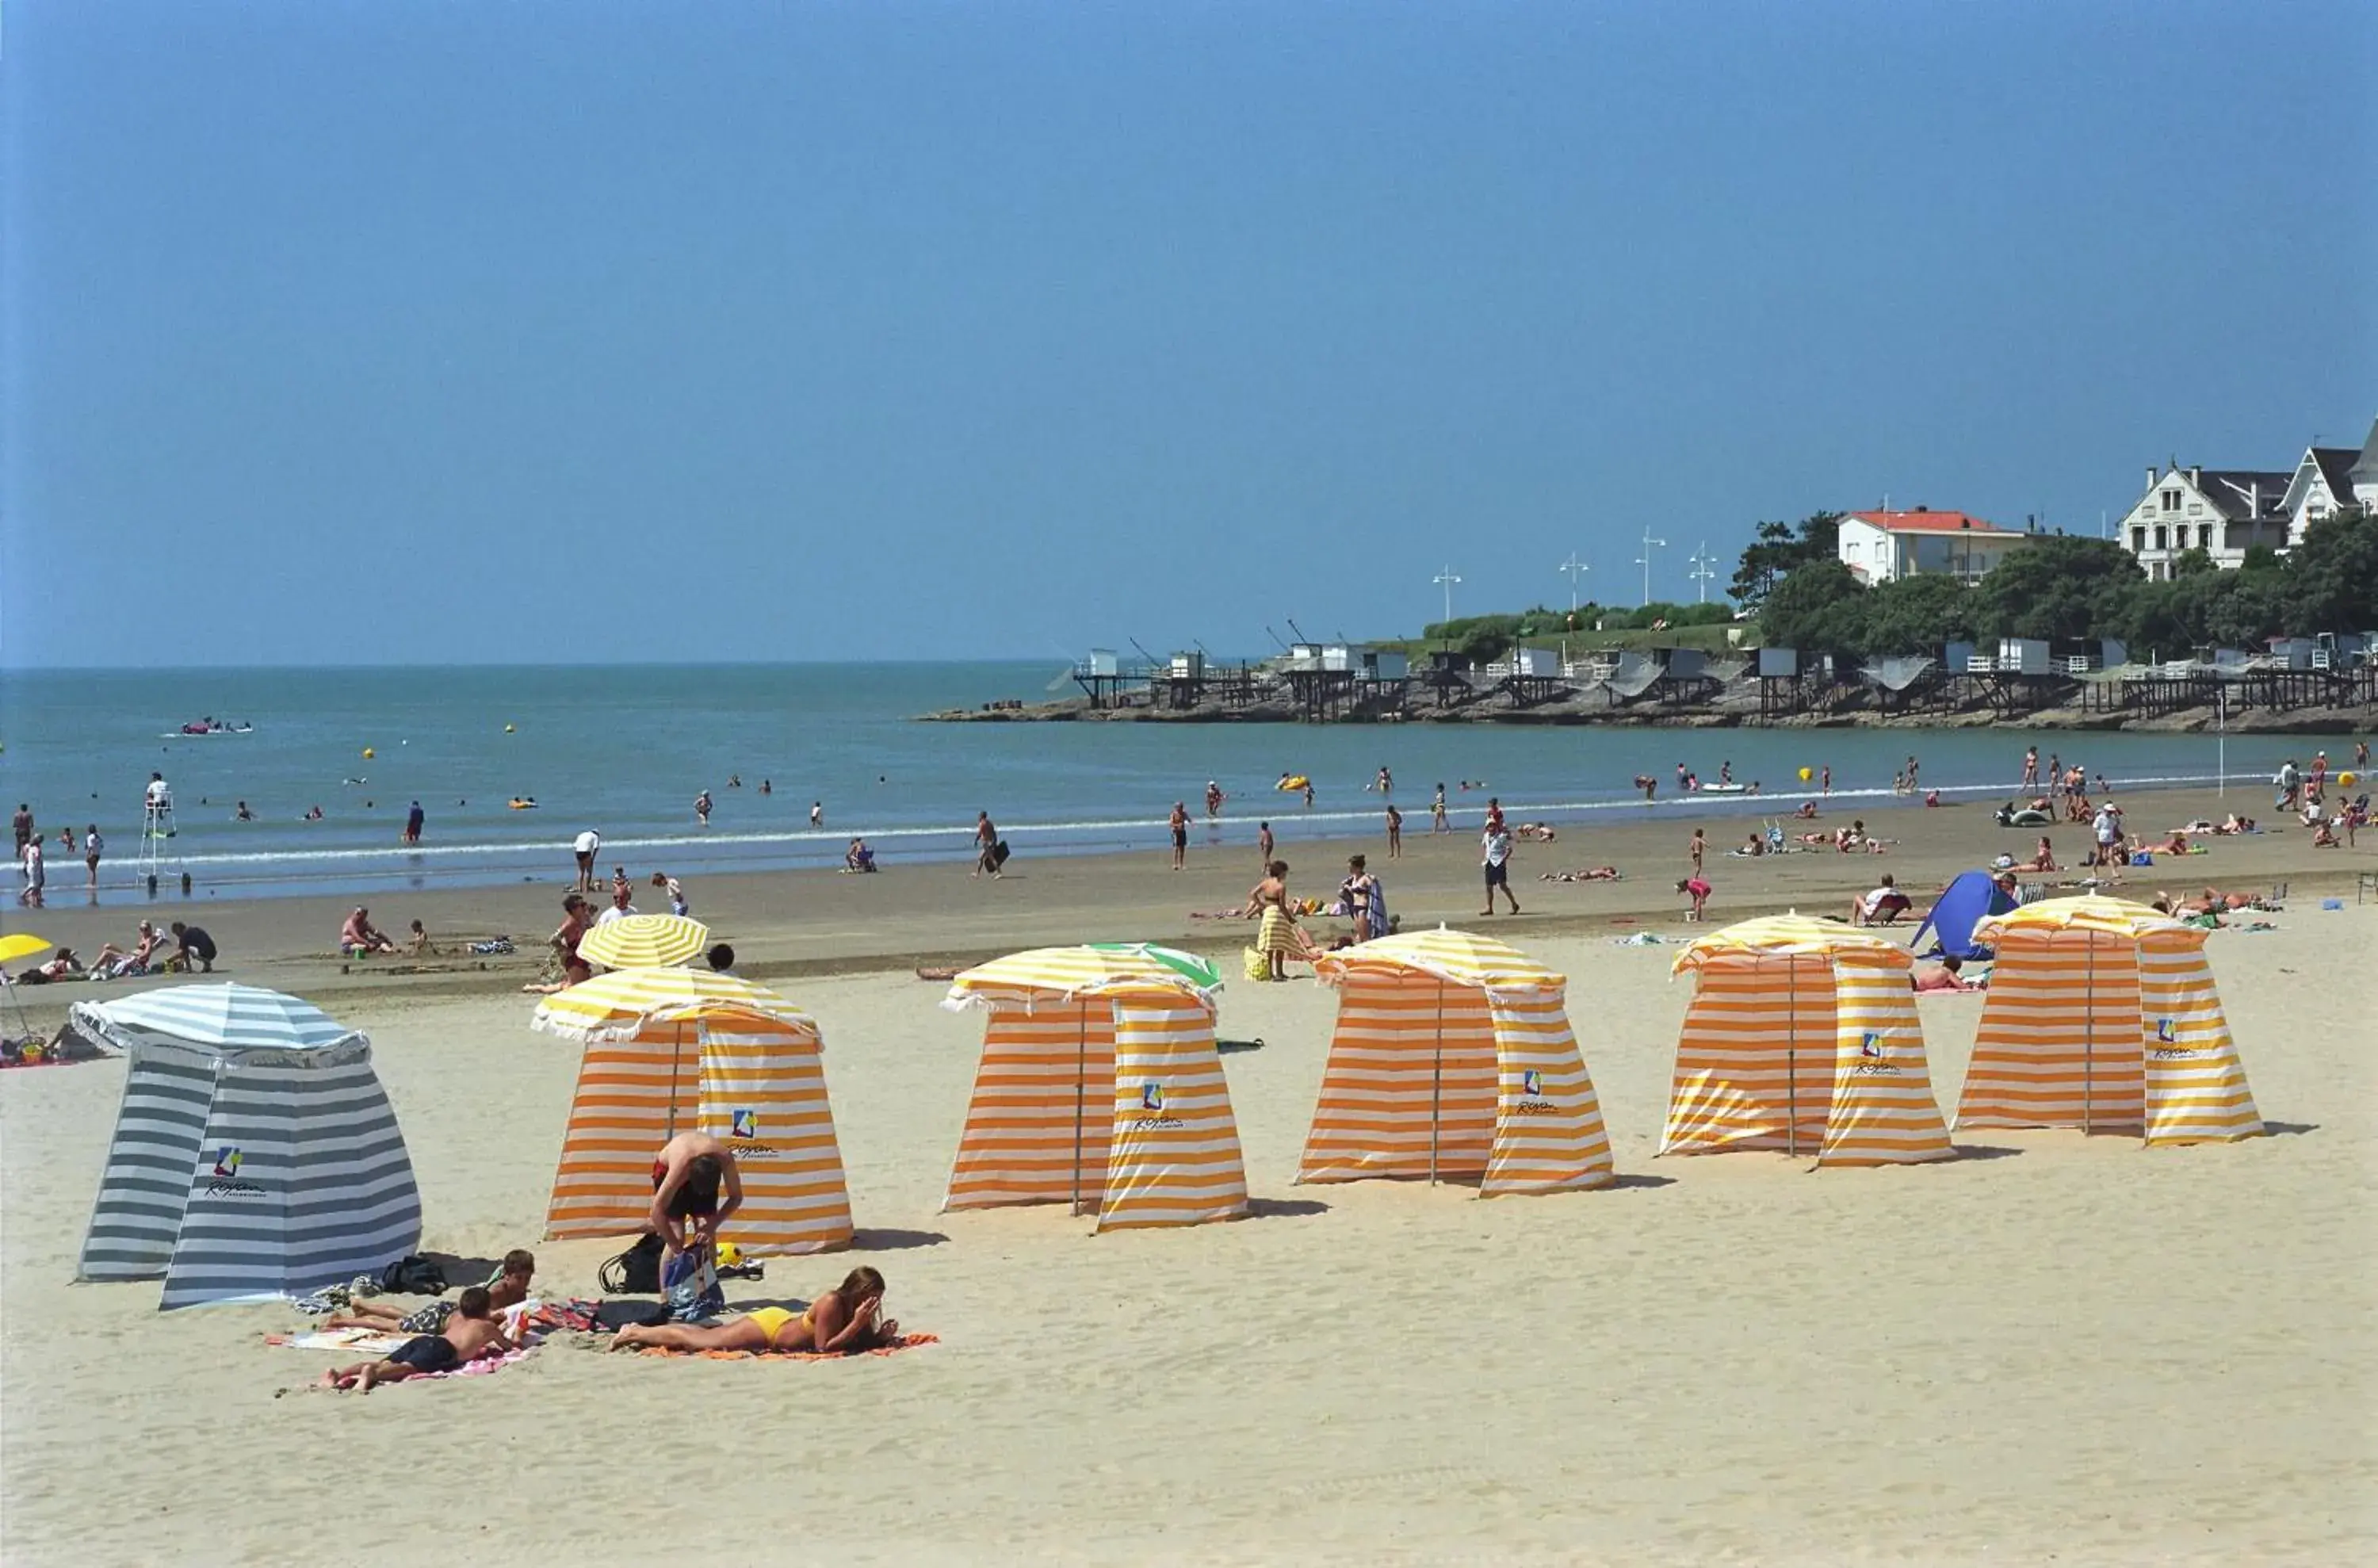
{"x":1807,"y":774}
{"x":368,"y":753}
{"x":2347,"y":780}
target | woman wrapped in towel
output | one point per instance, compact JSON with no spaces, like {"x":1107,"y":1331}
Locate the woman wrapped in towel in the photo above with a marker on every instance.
{"x":846,"y":1319}
{"x":1279,"y":938}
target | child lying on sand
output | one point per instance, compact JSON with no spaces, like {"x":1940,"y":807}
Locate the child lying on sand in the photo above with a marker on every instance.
{"x":507,"y":1289}
{"x":470,"y":1333}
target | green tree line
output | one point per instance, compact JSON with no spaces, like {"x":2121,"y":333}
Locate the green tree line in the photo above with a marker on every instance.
{"x":2059,"y":587}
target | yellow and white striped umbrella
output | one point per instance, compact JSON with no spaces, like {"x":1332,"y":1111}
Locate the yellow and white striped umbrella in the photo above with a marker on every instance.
{"x":1778,"y":936}
{"x":645,"y":941}
{"x":2113,"y":917}
{"x":1457,"y":958}
{"x":616,"y":1006}
{"x":1046,"y":974}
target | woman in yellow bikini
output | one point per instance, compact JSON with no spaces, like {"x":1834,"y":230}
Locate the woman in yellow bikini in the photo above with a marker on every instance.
{"x":844,"y":1318}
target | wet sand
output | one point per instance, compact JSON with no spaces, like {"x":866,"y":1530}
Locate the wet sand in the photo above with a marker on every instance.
{"x":791,"y":924}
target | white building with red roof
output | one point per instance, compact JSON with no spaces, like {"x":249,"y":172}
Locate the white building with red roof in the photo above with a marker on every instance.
{"x":1882,"y":547}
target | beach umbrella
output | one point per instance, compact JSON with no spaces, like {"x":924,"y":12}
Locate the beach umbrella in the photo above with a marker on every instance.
{"x":1072,"y":976}
{"x":22,"y":945}
{"x":1784,"y":936}
{"x":617,"y":1006}
{"x":230,"y":1016}
{"x":645,"y":941}
{"x":1452,"y":957}
{"x":1066,"y":974}
{"x":1189,"y":966}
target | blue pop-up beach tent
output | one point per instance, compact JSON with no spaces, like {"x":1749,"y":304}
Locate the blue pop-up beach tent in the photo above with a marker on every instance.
{"x":1964,"y":904}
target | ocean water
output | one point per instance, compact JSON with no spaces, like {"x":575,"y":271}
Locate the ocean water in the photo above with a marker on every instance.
{"x":625,"y":751}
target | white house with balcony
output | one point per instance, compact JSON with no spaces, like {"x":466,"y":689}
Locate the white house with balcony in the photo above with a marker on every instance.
{"x":2223,"y":511}
{"x":2328,"y":480}
{"x":1882,"y":547}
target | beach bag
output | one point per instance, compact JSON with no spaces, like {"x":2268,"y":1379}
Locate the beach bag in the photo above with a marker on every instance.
{"x":692,"y":1286}
{"x":636,"y":1272}
{"x":999,"y":854}
{"x":415,"y":1275}
{"x":1253,"y":965}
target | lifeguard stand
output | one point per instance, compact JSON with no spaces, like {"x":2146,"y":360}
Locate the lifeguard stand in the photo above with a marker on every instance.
{"x":159,"y":852}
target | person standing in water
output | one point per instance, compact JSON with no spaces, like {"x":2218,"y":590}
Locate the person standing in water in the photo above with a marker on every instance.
{"x":91,"y":850}
{"x":817,"y":814}
{"x":702,"y":808}
{"x":1436,"y":822}
{"x":1213,"y":800}
{"x":412,"y":821}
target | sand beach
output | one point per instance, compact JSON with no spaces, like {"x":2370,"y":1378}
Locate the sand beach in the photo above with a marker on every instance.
{"x":2051,"y":1347}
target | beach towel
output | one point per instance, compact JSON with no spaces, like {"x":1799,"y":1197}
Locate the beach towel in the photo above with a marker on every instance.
{"x":905,"y":1342}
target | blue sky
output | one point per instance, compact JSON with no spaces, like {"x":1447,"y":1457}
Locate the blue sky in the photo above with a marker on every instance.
{"x":343,"y":333}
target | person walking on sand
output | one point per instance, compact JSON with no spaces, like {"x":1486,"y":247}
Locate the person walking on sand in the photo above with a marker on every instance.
{"x":1495,"y":861}
{"x":1263,"y":842}
{"x":986,"y":847}
{"x":91,"y":850}
{"x":702,"y":808}
{"x":586,"y":846}
{"x":1395,"y":832}
{"x":1436,"y":820}
{"x":1699,"y":847}
{"x":1180,"y":824}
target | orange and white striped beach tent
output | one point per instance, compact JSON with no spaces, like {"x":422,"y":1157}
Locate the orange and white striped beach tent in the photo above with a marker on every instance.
{"x":1100,"y":1086}
{"x":2102,"y":1015}
{"x":1802,"y":1036}
{"x":672,"y":1049}
{"x":1453,"y":1057}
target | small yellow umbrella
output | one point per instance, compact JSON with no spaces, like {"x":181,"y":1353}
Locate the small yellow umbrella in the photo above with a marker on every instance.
{"x":645,"y":941}
{"x":23,"y":944}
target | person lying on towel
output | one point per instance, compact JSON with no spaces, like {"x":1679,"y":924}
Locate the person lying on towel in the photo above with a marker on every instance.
{"x":506,"y":1288}
{"x":472,"y":1331}
{"x":845,"y":1319}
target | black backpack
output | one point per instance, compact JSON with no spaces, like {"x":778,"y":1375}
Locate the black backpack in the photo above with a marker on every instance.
{"x":636,"y":1272}
{"x":415,"y":1275}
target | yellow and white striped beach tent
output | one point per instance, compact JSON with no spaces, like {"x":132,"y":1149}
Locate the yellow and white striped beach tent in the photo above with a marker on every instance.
{"x":2102,"y":1015}
{"x":1453,"y":1057}
{"x":672,"y":1049}
{"x":1100,"y":1086}
{"x":1802,"y":1036}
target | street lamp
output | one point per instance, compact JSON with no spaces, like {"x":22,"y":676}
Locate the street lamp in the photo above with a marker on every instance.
{"x":1644,"y":560}
{"x":1576,"y":569}
{"x":1446,"y":580}
{"x":1704,"y":570}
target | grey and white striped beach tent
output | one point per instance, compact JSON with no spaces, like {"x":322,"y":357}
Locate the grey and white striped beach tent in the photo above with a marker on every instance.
{"x":256,"y":1155}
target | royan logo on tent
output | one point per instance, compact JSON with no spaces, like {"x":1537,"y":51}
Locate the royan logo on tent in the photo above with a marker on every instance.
{"x":2169,"y":1048}
{"x":224,"y":1178}
{"x":1531,"y":1083}
{"x":743,"y":1122}
{"x":1151,"y":1097}
{"x":1531,"y":1102}
{"x":1874,"y":1054}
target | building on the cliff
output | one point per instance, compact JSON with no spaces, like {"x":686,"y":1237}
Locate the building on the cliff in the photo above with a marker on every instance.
{"x":2223,"y":511}
{"x":2227,"y":511}
{"x":1882,"y":547}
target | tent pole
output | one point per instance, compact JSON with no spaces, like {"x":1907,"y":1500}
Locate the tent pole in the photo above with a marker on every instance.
{"x":677,"y":1054}
{"x":1081,"y":1096}
{"x":1791,"y":1057}
{"x":2088,"y":1030}
{"x":1436,"y":1087}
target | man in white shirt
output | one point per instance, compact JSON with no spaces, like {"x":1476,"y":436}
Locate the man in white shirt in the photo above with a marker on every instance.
{"x":1882,"y":906}
{"x":586,"y":847}
{"x":2107,"y":826}
{"x":620,"y":909}
{"x":1495,"y":861}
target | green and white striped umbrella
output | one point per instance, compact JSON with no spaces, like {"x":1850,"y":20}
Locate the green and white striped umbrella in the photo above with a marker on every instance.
{"x":1189,"y":966}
